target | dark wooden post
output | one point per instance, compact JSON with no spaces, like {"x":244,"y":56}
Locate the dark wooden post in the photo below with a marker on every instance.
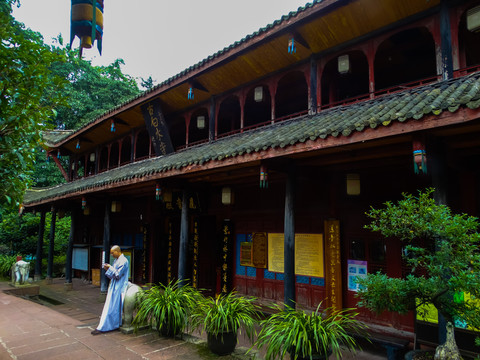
{"x":211,"y":120}
{"x":106,"y":247}
{"x":71,"y":240}
{"x":312,"y":101}
{"x":440,"y":183}
{"x":183,"y":247}
{"x":446,"y":38}
{"x":289,"y":240}
{"x":51,"y":247}
{"x":39,"y":254}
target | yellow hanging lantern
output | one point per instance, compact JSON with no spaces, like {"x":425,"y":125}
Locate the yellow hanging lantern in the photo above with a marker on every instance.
{"x":87,"y":23}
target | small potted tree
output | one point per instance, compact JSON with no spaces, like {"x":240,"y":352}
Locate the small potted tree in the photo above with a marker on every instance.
{"x":166,"y":308}
{"x":303,"y":335}
{"x":441,"y":248}
{"x":222,"y":317}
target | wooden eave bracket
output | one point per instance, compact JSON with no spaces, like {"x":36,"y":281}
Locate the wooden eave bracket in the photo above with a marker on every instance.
{"x":59,"y":164}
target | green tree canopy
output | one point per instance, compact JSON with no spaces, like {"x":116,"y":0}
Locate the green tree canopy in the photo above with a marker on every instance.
{"x":441,"y":249}
{"x":25,"y":63}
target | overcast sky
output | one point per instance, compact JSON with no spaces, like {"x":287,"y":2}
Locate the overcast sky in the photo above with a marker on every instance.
{"x":159,"y":38}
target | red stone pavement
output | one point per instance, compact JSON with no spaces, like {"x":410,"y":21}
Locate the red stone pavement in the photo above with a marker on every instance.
{"x":40,"y":330}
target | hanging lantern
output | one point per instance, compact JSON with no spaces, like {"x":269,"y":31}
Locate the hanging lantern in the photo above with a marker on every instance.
{"x":263,"y":177}
{"x":158,"y":192}
{"x":291,"y":46}
{"x":112,"y":126}
{"x":87,"y":23}
{"x":58,"y":154}
{"x":84,"y":203}
{"x":190,"y":94}
{"x":419,"y":157}
{"x":78,"y":145}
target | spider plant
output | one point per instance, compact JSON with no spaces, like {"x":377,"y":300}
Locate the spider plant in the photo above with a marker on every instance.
{"x":226,"y":314}
{"x":308,"y":335}
{"x":166,"y":308}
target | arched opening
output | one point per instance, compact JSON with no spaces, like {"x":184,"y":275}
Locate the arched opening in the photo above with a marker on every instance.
{"x":114,"y":155}
{"x":177,"y":132}
{"x":468,"y":41}
{"x":126,"y":153}
{"x":142,"y":145}
{"x":345,"y":76}
{"x":198,"y":128}
{"x":257,"y":106}
{"x":228,"y":115}
{"x":405,"y":57}
{"x":103,"y":161}
{"x":292,"y":94}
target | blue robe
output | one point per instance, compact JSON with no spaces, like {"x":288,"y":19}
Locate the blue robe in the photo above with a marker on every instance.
{"x":111,"y":318}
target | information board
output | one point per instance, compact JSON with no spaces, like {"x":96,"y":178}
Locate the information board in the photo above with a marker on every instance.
{"x":308,"y":254}
{"x":80,"y":259}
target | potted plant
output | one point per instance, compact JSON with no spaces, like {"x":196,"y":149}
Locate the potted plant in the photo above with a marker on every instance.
{"x":314,"y":335}
{"x":222,"y":318}
{"x":166,"y":308}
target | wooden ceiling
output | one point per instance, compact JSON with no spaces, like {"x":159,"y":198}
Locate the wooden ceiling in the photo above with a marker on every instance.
{"x":323,"y":26}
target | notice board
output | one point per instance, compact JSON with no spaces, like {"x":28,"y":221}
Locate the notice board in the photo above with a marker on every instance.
{"x":308,"y":254}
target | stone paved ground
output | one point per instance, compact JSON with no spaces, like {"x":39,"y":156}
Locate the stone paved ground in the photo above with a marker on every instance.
{"x":58,"y":327}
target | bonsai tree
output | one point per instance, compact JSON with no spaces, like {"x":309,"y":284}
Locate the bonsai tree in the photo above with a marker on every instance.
{"x":222,"y":317}
{"x":442,"y":251}
{"x":312,"y":335}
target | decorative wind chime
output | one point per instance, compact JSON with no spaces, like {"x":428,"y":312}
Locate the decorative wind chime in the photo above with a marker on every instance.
{"x":86,"y":22}
{"x":419,"y":157}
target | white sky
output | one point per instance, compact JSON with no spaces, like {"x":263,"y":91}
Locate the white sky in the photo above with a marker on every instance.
{"x":159,"y":38}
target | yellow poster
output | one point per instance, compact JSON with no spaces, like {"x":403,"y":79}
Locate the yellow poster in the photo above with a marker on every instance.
{"x":308,"y":254}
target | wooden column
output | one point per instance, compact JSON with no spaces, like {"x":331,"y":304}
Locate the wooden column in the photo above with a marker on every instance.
{"x":39,"y":253}
{"x":71,"y":240}
{"x":438,"y":159}
{"x":211,"y":120}
{"x":446,"y":36}
{"x":312,"y":99}
{"x":51,"y":244}
{"x":183,"y":247}
{"x":106,"y":246}
{"x":289,"y":240}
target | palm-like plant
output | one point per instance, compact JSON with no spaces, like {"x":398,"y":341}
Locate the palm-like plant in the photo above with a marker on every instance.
{"x":226,"y":313}
{"x":304,"y":335}
{"x":166,"y":308}
{"x":223,"y":316}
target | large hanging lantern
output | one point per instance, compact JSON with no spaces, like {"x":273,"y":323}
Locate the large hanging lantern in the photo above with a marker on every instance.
{"x":87,"y":23}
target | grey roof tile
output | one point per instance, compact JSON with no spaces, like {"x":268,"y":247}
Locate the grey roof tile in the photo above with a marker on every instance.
{"x":340,"y":121}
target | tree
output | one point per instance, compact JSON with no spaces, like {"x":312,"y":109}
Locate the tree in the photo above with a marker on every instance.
{"x":25,"y":63}
{"x":91,"y":90}
{"x":442,"y":250}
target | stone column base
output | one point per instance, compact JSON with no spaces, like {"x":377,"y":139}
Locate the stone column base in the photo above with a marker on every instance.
{"x":48,"y":281}
{"x":68,"y":286}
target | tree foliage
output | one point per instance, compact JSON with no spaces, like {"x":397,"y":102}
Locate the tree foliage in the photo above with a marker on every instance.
{"x":25,"y":63}
{"x":442,"y":251}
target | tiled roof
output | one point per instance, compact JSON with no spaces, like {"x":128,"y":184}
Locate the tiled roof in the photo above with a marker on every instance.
{"x":54,"y":136}
{"x":414,"y":103}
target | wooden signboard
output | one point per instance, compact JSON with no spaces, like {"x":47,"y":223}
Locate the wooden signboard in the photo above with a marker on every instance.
{"x":246,"y":254}
{"x":333,"y":276}
{"x":259,"y":253}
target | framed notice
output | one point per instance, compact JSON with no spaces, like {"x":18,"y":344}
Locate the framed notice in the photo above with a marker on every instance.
{"x":356,"y":269}
{"x":259,"y":253}
{"x":308,"y":254}
{"x":128,"y":255}
{"x":246,"y":254}
{"x":80,"y":259}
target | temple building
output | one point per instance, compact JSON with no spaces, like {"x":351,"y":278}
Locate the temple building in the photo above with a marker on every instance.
{"x":253,"y":169}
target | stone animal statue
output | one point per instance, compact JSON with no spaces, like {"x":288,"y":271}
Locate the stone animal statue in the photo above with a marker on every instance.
{"x":20,"y":272}
{"x":129,"y":304}
{"x":449,"y":350}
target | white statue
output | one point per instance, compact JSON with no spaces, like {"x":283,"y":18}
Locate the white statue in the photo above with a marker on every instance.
{"x":20,"y":272}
